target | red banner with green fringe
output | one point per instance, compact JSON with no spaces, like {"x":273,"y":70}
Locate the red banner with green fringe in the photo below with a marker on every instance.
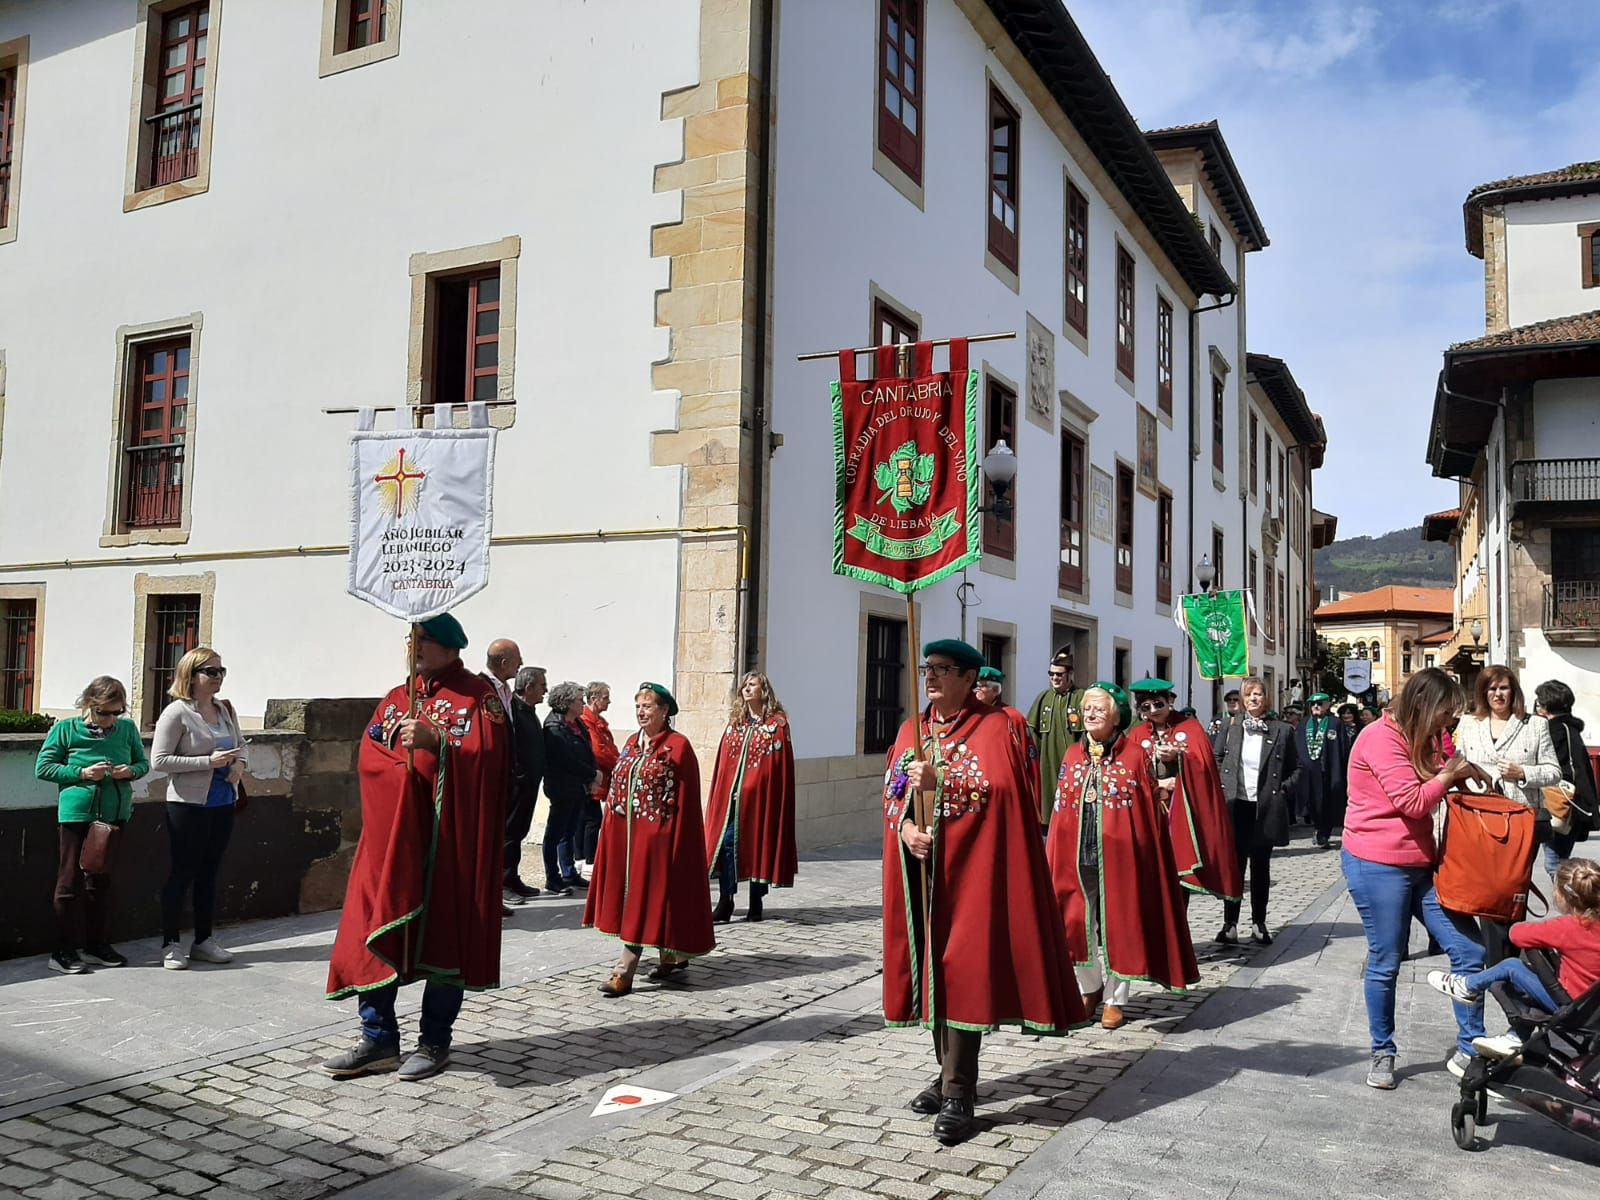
{"x":906,"y":469}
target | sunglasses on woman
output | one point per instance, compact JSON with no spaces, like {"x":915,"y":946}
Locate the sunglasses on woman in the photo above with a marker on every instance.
{"x":212,"y":672}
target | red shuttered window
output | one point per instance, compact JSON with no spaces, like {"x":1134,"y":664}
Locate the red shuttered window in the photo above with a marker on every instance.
{"x":1125,"y":314}
{"x":900,"y":84}
{"x":180,"y":94}
{"x":1077,"y":289}
{"x":156,"y":428}
{"x":1004,"y":177}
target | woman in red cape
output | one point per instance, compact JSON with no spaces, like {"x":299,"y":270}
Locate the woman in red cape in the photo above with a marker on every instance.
{"x":1111,"y":858}
{"x":423,"y":901}
{"x":997,"y":955}
{"x":648,"y":886}
{"x":750,"y":812}
{"x":1199,"y":823}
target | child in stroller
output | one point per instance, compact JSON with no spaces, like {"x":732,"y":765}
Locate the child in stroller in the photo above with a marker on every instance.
{"x":1574,"y":935}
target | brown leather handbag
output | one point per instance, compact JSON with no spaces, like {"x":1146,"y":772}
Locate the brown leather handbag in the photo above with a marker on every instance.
{"x":99,"y":850}
{"x":1486,"y":869}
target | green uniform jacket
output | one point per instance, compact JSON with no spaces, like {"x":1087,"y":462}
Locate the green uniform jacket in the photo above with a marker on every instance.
{"x":1056,"y":719}
{"x":68,"y":749}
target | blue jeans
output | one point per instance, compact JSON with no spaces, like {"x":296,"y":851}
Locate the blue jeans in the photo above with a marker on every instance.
{"x":441,"y":1003}
{"x":1553,"y":859}
{"x":1520,"y":976}
{"x":1389,"y":899}
{"x":728,"y":865}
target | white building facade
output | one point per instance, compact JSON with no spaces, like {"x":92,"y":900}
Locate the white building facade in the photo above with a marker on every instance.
{"x":1517,"y":421}
{"x":223,"y":217}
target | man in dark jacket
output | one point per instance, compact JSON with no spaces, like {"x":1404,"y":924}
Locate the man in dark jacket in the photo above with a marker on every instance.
{"x":527,"y":743}
{"x":1323,"y":743}
{"x":1260,"y":768}
{"x":1553,"y":701}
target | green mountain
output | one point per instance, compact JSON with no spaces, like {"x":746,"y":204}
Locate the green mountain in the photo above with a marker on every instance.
{"x":1401,"y":557}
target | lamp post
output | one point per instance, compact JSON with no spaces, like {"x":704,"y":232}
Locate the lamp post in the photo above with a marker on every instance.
{"x":1000,"y":469}
{"x":1204,"y":573}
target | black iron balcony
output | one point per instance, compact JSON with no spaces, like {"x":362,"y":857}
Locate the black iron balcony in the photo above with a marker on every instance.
{"x":174,"y":144}
{"x":1540,"y":483}
{"x":1572,"y":610}
{"x":5,"y":192}
{"x":155,"y":485}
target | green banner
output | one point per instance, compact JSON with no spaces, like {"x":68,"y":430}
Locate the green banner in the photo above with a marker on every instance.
{"x":1219,"y":629}
{"x":904,"y":549}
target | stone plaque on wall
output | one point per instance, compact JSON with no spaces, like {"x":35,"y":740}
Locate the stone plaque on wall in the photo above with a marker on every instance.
{"x":1041,"y":375}
{"x":1100,"y":504}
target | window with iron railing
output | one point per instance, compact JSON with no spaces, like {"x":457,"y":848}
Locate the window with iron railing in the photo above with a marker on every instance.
{"x":173,"y":630}
{"x":8,"y":131}
{"x":884,"y":705}
{"x":18,"y":628}
{"x":180,"y":83}
{"x":154,"y":433}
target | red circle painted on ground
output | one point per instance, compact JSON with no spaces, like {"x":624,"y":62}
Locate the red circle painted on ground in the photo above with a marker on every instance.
{"x":628,"y":1099}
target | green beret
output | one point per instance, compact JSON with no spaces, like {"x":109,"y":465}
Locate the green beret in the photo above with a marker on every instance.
{"x":1153,"y":687}
{"x":963,"y":655}
{"x":1320,"y":698}
{"x":991,"y":675}
{"x":445,"y":630}
{"x":665,"y":696}
{"x":1124,"y":713}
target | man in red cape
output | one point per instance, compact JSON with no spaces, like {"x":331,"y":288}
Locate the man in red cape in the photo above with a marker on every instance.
{"x":1201,"y":829}
{"x":990,"y":689}
{"x":997,"y":954}
{"x":424,"y":895}
{"x":1111,"y":859}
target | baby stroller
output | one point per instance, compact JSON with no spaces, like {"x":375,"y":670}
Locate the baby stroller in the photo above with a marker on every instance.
{"x":1558,"y":1072}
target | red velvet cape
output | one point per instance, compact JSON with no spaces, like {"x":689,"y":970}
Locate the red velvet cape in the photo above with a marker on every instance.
{"x":999,"y":953}
{"x":1202,"y":830}
{"x":605,"y":747}
{"x":1143,"y":926}
{"x":1019,"y":721}
{"x":423,"y":901}
{"x":649,"y":881}
{"x":752,"y":786}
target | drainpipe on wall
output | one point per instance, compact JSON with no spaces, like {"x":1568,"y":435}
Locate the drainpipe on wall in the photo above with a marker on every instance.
{"x":1194,"y":456}
{"x":745,"y":656}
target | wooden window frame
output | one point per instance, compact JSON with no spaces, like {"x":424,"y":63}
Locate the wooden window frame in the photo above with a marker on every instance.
{"x":447,"y":268}
{"x":8,"y":126}
{"x":885,"y":316}
{"x":169,"y":142}
{"x":1164,"y":523}
{"x":1003,"y":240}
{"x":898,"y":142}
{"x":340,"y":50}
{"x":1163,"y":355}
{"x":999,"y":533}
{"x":175,"y":155}
{"x":1266,"y":487}
{"x":159,"y":505}
{"x":1125,"y":491}
{"x":1074,"y":504}
{"x":172,"y":619}
{"x":13,"y":102}
{"x":1219,"y":546}
{"x":19,"y":653}
{"x":1127,"y":298}
{"x":1283,"y":479}
{"x":1589,"y":250}
{"x":1076,"y":286}
{"x":1251,"y":580}
{"x":1255,"y":455}
{"x":366,"y":23}
{"x":1219,"y":424}
{"x":1215,"y":239}
{"x":892,"y":701}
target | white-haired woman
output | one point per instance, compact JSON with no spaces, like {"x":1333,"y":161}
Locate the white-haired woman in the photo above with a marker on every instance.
{"x":750,"y":810}
{"x":569,"y":773}
{"x":199,"y":746}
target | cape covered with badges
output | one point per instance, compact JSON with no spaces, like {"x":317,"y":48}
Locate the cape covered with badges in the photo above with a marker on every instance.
{"x":423,"y":901}
{"x":649,"y":882}
{"x":752,"y":786}
{"x":1143,"y":930}
{"x":999,"y":955}
{"x":1199,"y":823}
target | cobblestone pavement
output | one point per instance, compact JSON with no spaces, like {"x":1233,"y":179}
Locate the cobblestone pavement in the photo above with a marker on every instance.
{"x":786,"y":1082}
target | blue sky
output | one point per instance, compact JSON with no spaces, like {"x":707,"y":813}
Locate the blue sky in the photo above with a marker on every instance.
{"x":1359,"y":129}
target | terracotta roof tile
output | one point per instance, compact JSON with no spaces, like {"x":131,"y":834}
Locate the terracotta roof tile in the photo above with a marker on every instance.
{"x":1576,"y":173}
{"x":1576,"y":180}
{"x":1449,"y":514}
{"x":1580,"y":327}
{"x":1391,"y":599}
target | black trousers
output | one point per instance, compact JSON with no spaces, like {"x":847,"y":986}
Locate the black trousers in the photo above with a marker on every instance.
{"x":1256,"y":856}
{"x":198,"y":835}
{"x":519,"y":820}
{"x":75,"y":891}
{"x":956,"y":1051}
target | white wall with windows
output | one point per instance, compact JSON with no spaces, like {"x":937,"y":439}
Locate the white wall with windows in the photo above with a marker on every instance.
{"x":494,"y":120}
{"x":1545,"y":258}
{"x":849,"y":232}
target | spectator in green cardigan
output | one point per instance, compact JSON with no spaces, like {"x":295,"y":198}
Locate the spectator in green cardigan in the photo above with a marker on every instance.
{"x":93,"y":759}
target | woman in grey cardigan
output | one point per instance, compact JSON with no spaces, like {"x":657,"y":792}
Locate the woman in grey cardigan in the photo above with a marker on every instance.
{"x":198,"y":745}
{"x":1514,"y":749}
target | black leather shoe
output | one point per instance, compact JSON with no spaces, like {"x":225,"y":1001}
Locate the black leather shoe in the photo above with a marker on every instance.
{"x":1228,"y":935}
{"x":754,"y":913}
{"x":724,"y":911}
{"x":928,"y":1100}
{"x":1260,"y":936}
{"x":954,"y":1123}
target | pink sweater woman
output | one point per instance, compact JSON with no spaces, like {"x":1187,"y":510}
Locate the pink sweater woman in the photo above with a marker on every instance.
{"x":1396,"y":783}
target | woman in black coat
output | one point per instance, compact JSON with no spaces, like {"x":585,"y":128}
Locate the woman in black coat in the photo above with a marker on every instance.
{"x":1260,"y":771}
{"x":569,"y":772}
{"x":1553,"y":701}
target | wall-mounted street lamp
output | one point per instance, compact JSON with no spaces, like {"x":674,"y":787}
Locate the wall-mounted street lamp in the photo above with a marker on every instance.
{"x":1477,"y":633}
{"x":1204,"y":573}
{"x":1000,"y":469}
